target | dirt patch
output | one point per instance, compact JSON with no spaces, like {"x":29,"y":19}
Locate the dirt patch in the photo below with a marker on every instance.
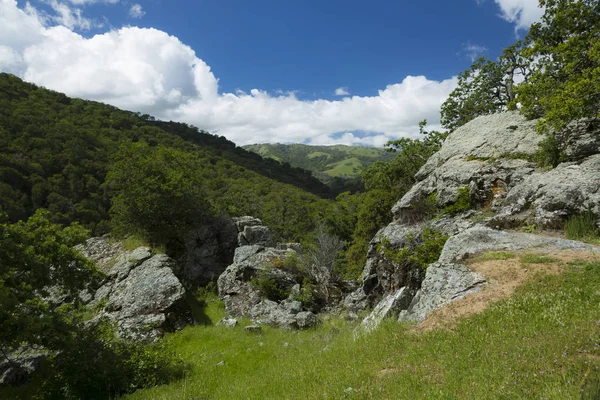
{"x":504,"y":277}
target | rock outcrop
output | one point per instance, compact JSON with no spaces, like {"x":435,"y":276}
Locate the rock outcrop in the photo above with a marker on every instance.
{"x":140,"y":293}
{"x":20,"y":366}
{"x":490,"y":162}
{"x":254,"y":262}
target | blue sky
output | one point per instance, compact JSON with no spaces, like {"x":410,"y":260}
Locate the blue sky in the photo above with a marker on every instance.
{"x":320,"y":72}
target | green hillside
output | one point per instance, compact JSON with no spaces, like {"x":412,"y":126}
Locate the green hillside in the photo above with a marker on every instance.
{"x":56,"y":152}
{"x":338,"y":166}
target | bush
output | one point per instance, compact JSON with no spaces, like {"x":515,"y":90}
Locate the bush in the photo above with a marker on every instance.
{"x":463,"y":202}
{"x":423,"y":250}
{"x":548,"y":154}
{"x":94,"y":364}
{"x":582,"y":226}
{"x":269,"y":287}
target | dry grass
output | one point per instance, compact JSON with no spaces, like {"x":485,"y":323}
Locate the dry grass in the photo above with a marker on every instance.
{"x":505,"y":273}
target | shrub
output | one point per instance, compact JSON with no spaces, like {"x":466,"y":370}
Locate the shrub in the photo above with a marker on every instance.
{"x":463,"y":202}
{"x":548,"y":154}
{"x":422,"y":251}
{"x":269,"y":287}
{"x":581,"y":226}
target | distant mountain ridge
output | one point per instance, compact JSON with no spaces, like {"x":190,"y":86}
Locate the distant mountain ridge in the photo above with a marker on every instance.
{"x":334,"y":165}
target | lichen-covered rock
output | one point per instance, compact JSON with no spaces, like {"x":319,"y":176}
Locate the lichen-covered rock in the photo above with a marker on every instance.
{"x":443,"y":284}
{"x":580,"y":139}
{"x":389,"y":306}
{"x":551,"y":197}
{"x":101,"y":250}
{"x":383,"y":275}
{"x":235,"y":284}
{"x":480,"y":239}
{"x":149,"y":301}
{"x":306,"y":319}
{"x":140,"y":294}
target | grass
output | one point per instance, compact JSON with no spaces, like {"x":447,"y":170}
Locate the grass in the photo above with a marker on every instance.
{"x":346,"y":167}
{"x":540,"y":343}
{"x":536,"y":259}
{"x":583,"y":227}
{"x":498,"y":255}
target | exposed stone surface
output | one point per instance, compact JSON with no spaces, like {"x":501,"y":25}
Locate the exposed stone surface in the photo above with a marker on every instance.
{"x":228,"y":322}
{"x":235,"y":287}
{"x":489,"y":159}
{"x":101,"y":250}
{"x":580,"y":139}
{"x":253,"y":328}
{"x":209,"y":250}
{"x":443,"y":284}
{"x":390,"y":306}
{"x":550,"y":197}
{"x":306,"y":319}
{"x":382,"y":275}
{"x":489,"y":136}
{"x":140,"y":293}
{"x":481,"y":239}
{"x":21,"y":366}
{"x":252,"y":235}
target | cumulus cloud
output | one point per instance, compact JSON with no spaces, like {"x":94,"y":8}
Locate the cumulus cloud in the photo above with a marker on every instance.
{"x":342,"y":91}
{"x":69,"y":17}
{"x":473,"y":51}
{"x":136,"y":11}
{"x":149,"y":71}
{"x":522,"y":13}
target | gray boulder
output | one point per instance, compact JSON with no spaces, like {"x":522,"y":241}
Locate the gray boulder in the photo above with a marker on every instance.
{"x":101,"y":250}
{"x":306,"y":319}
{"x":389,"y":306}
{"x":580,"y":139}
{"x":149,"y":301}
{"x":443,"y":284}
{"x":550,"y":197}
{"x":235,"y":284}
{"x":480,"y":239}
{"x":256,"y":235}
{"x":383,"y":275}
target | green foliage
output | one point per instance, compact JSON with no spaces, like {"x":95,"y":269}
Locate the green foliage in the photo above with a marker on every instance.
{"x":37,"y":260}
{"x":385,"y":183}
{"x":158,"y":192}
{"x":94,"y":364}
{"x":307,"y":295}
{"x":463,"y":202}
{"x":422,"y":251}
{"x":566,"y":45}
{"x":270,"y":287}
{"x":550,"y":324}
{"x":337,"y":166}
{"x":55,"y":153}
{"x":486,"y":88}
{"x":582,"y":226}
{"x":548,"y":154}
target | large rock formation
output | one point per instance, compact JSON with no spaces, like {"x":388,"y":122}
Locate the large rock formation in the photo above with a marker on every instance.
{"x":255,"y":262}
{"x":140,"y":293}
{"x":488,"y":160}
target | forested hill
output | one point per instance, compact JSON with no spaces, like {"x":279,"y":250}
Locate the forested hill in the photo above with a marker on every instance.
{"x":331,"y":164}
{"x":55,"y":153}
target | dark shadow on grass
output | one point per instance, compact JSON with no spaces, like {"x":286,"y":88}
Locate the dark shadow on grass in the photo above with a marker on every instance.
{"x":198,"y":308}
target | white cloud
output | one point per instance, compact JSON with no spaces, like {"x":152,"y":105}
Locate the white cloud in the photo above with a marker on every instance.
{"x":522,"y":13}
{"x":342,"y":91}
{"x":473,"y":51}
{"x":84,"y":2}
{"x":67,"y":16}
{"x":136,"y":11}
{"x":149,"y":71}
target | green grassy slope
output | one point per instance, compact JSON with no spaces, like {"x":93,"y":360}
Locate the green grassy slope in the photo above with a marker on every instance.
{"x":325,"y":161}
{"x":540,"y":343}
